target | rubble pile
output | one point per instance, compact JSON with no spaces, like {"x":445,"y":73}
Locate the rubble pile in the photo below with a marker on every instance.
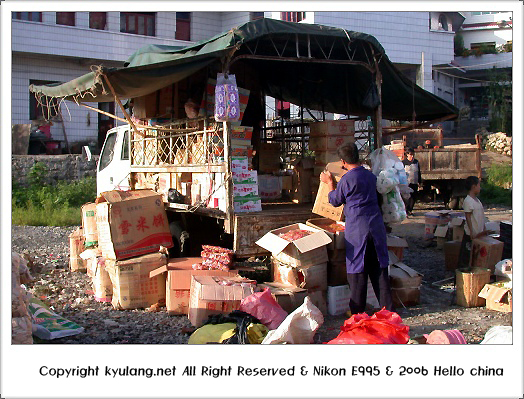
{"x":498,"y":142}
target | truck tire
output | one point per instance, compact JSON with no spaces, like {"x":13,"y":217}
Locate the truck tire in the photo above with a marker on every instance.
{"x":180,"y":241}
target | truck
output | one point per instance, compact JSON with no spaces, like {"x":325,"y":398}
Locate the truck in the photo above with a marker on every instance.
{"x":179,"y":150}
{"x":443,"y":167}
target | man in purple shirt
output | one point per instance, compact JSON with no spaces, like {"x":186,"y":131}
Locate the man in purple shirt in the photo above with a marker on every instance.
{"x":365,"y":234}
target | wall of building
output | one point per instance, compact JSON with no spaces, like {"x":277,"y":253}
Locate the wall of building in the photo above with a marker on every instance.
{"x":475,"y":29}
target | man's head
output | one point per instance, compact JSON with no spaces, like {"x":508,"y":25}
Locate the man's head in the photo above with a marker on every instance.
{"x":473,"y":184}
{"x":410,"y":154}
{"x":348,"y":153}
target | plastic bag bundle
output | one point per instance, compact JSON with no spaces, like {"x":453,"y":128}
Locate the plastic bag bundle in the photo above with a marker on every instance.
{"x":227,"y":103}
{"x":265,"y":308}
{"x":384,"y":159}
{"x":393,"y":208}
{"x":387,"y":180}
{"x":499,"y":335}
{"x":299,"y":327}
{"x":384,"y":327}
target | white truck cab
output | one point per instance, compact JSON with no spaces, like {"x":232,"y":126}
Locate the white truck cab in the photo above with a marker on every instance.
{"x":114,"y":165}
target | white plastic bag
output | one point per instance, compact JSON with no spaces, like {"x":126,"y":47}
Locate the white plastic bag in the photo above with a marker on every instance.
{"x":383,"y":159}
{"x":498,"y":335}
{"x":504,"y":268}
{"x":299,"y":327}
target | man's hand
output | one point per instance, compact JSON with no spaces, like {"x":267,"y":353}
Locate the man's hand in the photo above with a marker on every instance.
{"x":327,"y":178}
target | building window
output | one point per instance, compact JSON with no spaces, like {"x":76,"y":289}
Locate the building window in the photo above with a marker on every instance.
{"x":28,"y":16}
{"x":183,"y":26}
{"x":139,"y":23}
{"x":35,"y":110}
{"x":65,"y":18}
{"x":485,"y":12}
{"x":485,"y":45}
{"x":442,"y":22}
{"x":256,"y":15}
{"x":97,"y":20}
{"x":292,"y":16}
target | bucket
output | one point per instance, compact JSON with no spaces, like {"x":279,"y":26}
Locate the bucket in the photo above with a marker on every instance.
{"x":447,"y":337}
{"x":469,"y":282}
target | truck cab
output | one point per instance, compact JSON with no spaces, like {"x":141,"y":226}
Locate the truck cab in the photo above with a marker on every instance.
{"x":114,"y":165}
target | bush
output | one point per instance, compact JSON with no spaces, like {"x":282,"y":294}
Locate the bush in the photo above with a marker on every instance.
{"x":50,"y":205}
{"x":495,"y":188}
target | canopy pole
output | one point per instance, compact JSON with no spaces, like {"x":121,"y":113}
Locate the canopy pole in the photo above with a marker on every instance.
{"x":378,"y":110}
{"x":126,"y":115}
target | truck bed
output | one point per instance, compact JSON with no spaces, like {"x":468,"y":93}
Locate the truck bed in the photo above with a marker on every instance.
{"x":249,"y":227}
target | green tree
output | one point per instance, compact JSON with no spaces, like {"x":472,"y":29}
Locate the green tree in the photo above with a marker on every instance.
{"x":499,"y":99}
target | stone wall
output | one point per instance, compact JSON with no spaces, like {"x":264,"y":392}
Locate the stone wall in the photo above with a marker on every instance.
{"x":59,"y":167}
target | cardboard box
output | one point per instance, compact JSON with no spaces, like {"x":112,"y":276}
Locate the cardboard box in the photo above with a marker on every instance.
{"x":312,"y":277}
{"x":287,"y":182}
{"x":100,"y":280}
{"x":329,"y":143}
{"x":334,"y":127}
{"x":486,"y":252}
{"x":178,"y":282}
{"x":405,"y":284}
{"x":269,"y":157}
{"x":396,"y":245}
{"x":322,"y":206}
{"x":434,"y":219}
{"x":337,"y":238}
{"x":241,"y":190}
{"x":287,"y":296}
{"x":498,"y":297}
{"x":248,"y":203}
{"x":89,"y":224}
{"x":245,"y":177}
{"x":131,"y":223}
{"x":338,"y":299}
{"x":76,"y":247}
{"x":452,"y":254}
{"x":269,"y":187}
{"x":306,"y":251}
{"x":210,"y":296}
{"x":132,"y":286}
{"x":458,"y":233}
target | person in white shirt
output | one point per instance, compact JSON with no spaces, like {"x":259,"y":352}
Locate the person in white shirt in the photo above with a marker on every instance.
{"x":475,"y":220}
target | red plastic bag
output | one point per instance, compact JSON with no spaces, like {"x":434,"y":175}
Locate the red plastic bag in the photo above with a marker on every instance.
{"x":384,"y":327}
{"x":265,"y":308}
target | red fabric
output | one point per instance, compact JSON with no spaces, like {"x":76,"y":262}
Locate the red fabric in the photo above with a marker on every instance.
{"x":384,"y":327}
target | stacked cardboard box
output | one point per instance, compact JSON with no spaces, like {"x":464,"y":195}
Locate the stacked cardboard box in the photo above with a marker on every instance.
{"x":325,"y":137}
{"x":302,"y":262}
{"x":434,"y":219}
{"x":245,"y":186}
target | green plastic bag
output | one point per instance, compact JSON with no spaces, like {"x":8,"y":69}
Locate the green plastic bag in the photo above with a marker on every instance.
{"x":49,"y":325}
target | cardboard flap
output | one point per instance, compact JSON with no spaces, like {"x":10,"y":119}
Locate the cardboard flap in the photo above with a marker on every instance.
{"x":394,"y":241}
{"x":456,"y":222}
{"x":272,"y":243}
{"x":441,"y":231}
{"x":336,"y":169}
{"x":119,"y":195}
{"x":392,"y":258}
{"x":281,"y":288}
{"x":493,"y":293}
{"x":160,"y":270}
{"x":405,"y":268}
{"x":313,"y":241}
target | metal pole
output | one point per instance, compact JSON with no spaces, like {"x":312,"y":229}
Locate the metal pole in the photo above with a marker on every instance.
{"x":228,"y":222}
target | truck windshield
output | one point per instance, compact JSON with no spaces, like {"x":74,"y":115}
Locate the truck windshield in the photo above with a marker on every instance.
{"x":108,"y":151}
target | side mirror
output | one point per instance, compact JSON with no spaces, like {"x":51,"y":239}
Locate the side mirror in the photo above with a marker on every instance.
{"x":86,"y":153}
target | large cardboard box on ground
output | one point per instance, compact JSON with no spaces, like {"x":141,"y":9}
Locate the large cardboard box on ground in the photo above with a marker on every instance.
{"x":313,"y":277}
{"x":287,"y":296}
{"x":434,"y":219}
{"x":269,"y":157}
{"x":405,"y":284}
{"x":322,"y":206}
{"x":452,"y":254}
{"x":89,"y":226}
{"x":132,"y":286}
{"x":216,"y":295}
{"x":498,"y":297}
{"x":306,"y":251}
{"x":486,"y":252}
{"x":178,"y":282}
{"x":131,"y":223}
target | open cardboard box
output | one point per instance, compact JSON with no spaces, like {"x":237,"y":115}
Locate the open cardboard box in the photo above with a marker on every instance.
{"x":313,"y":277}
{"x":178,"y":273}
{"x":405,"y":284}
{"x":306,"y":251}
{"x":131,"y":223}
{"x":210,"y":295}
{"x":287,"y":296}
{"x":486,"y":252}
{"x":337,"y":238}
{"x":498,"y":297}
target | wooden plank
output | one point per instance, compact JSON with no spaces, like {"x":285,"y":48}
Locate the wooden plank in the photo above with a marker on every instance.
{"x":250,"y":227}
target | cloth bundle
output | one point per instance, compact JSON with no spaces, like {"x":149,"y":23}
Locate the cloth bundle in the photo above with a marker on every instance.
{"x":227,"y":104}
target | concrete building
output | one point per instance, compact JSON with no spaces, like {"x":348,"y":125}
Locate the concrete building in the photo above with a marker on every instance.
{"x":59,"y":46}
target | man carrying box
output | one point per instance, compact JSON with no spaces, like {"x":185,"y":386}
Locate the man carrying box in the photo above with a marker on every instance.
{"x":365,"y":234}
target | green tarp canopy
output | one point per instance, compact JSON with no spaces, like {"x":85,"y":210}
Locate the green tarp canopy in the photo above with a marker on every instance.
{"x":318,"y":67}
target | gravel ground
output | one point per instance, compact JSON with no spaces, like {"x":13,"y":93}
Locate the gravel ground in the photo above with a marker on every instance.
{"x":69,"y":293}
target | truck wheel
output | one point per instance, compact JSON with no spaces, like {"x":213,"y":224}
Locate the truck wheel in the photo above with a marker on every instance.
{"x":180,"y":241}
